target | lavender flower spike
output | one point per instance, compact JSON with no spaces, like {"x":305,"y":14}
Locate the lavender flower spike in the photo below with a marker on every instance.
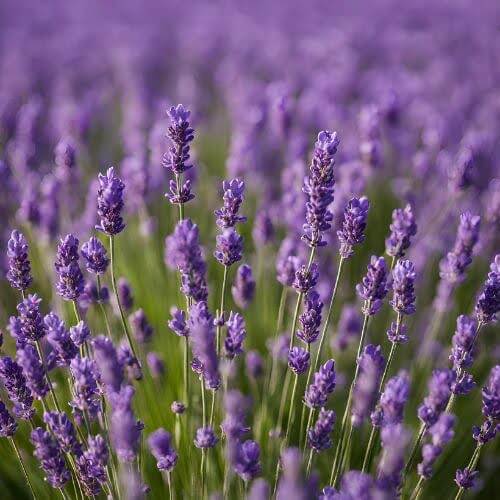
{"x":403,"y":300}
{"x":235,"y":336}
{"x":318,"y":437}
{"x":439,"y":393}
{"x":141,"y":327}
{"x":181,"y":134}
{"x":60,"y":340}
{"x":107,"y":362}
{"x":31,"y":325}
{"x":14,"y":382}
{"x":243,"y":289}
{"x":160,"y":444}
{"x":228,"y":216}
{"x":205,"y":438}
{"x":51,"y":458}
{"x":392,"y":401}
{"x":19,"y":271}
{"x":374,"y":286}
{"x":229,"y":247}
{"x":298,"y":360}
{"x":319,"y":188}
{"x":310,"y":319}
{"x":247,"y":460}
{"x":110,"y":203}
{"x":71,"y":283}
{"x":63,"y":430}
{"x":403,"y":227}
{"x":94,"y":253}
{"x":353,"y":225}
{"x":8,"y":425}
{"x":33,"y":370}
{"x":86,"y":393}
{"x":488,"y":303}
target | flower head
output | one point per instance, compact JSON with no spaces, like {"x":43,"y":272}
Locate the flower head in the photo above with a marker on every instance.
{"x":318,"y":437}
{"x":205,"y":438}
{"x":243,"y":289}
{"x":374,"y":286}
{"x":488,"y":303}
{"x":228,"y":216}
{"x":403,"y":281}
{"x":229,"y":247}
{"x":306,"y":278}
{"x":298,"y":360}
{"x":33,"y":370}
{"x":403,"y":227}
{"x":181,"y":134}
{"x":14,"y":382}
{"x":236,"y":333}
{"x":110,"y":203}
{"x":353,"y":225}
{"x":8,"y":425}
{"x":94,"y":253}
{"x":310,"y":319}
{"x":141,"y":327}
{"x":60,"y":340}
{"x":70,"y":284}
{"x":19,"y":271}
{"x":160,"y":444}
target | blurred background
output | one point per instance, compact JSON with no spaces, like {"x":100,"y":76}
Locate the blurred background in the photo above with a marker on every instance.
{"x":413,"y":89}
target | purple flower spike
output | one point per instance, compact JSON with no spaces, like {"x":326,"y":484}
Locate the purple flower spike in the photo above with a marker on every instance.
{"x":178,"y":408}
{"x":178,"y":322}
{"x":60,"y":340}
{"x":403,"y":281}
{"x":466,"y":478}
{"x":247,"y":463}
{"x":19,"y":271}
{"x":205,"y":438}
{"x":183,"y":252}
{"x":298,"y":360}
{"x":488,"y":303}
{"x":357,"y":485}
{"x":254,"y":364}
{"x":374,"y":286}
{"x":94,"y":253}
{"x":91,"y":465}
{"x":353,"y":225}
{"x":33,"y":370}
{"x":319,"y":189}
{"x":259,"y":490}
{"x":323,"y":384}
{"x":79,"y":333}
{"x":181,"y":134}
{"x":63,"y":430}
{"x":318,"y":437}
{"x":236,"y":333}
{"x":14,"y":382}
{"x":310,"y":319}
{"x":141,"y":327}
{"x":71,"y":283}
{"x":287,"y":263}
{"x":228,"y":216}
{"x":110,"y":203}
{"x":229,"y":247}
{"x":235,"y":405}
{"x":156,"y":364}
{"x":51,"y":458}
{"x":439,"y":393}
{"x":392,"y":401}
{"x":491,"y":395}
{"x":243,"y":289}
{"x":263,"y":228}
{"x":305,"y":279}
{"x":125,"y":294}
{"x":403,"y":228}
{"x":371,"y":365}
{"x":453,"y":266}
{"x":8,"y":425}
{"x":31,"y":326}
{"x":293,"y":483}
{"x":349,"y":327}
{"x":202,"y":332}
{"x":86,"y":394}
{"x":462,"y":354}
{"x":160,"y":444}
{"x":107,"y":361}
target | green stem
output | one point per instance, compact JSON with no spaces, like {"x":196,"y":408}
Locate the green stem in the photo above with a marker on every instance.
{"x":309,"y":462}
{"x":120,"y":308}
{"x":169,"y":482}
{"x":221,"y":310}
{"x":368,"y":453}
{"x":418,"y":489}
{"x":291,"y":413}
{"x":308,"y":425}
{"x":25,"y":472}
{"x":203,"y":403}
{"x":102,"y":308}
{"x":212,"y":409}
{"x":47,"y":376}
{"x":413,"y":454}
{"x":186,"y":370}
{"x":471,"y":467}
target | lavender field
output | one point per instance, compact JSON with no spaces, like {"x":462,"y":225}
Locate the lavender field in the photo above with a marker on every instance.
{"x":249,"y":250}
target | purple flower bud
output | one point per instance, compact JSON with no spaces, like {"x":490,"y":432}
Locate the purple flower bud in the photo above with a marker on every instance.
{"x":19,"y":272}
{"x":110,"y":203}
{"x":310,"y":319}
{"x":392,"y":401}
{"x":51,"y":458}
{"x":287,"y":263}
{"x":374,"y":286}
{"x":31,"y":323}
{"x":155,"y":364}
{"x":491,"y":395}
{"x":160,"y":444}
{"x":403,"y":227}
{"x":65,"y":155}
{"x":463,"y":340}
{"x":243,"y":289}
{"x":254,"y":364}
{"x":70,"y":284}
{"x":205,"y":438}
{"x":183,"y":251}
{"x":229,"y":247}
{"x":355,"y":484}
{"x":259,"y":490}
{"x":60,"y":340}
{"x":318,"y":437}
{"x":293,"y":483}
{"x":236,"y":333}
{"x":403,"y":281}
{"x":94,"y":253}
{"x":323,"y":384}
{"x":439,"y":394}
{"x":305,"y":278}
{"x":453,"y":266}
{"x":178,"y":322}
{"x":228,"y":216}
{"x":263,"y":228}
{"x":394,"y":438}
{"x":353,"y":225}
{"x":466,"y":478}
{"x":14,"y":382}
{"x":298,"y":360}
{"x":143,"y":331}
{"x":247,"y":460}
{"x":177,"y":407}
{"x":33,"y":370}
{"x":107,"y":361}
{"x":319,"y":189}
{"x":86,"y":394}
{"x":125,"y":294}
{"x":202,"y":332}
{"x":235,"y":406}
{"x":79,"y":333}
{"x":8,"y":425}
{"x":179,"y":193}
{"x":371,"y":365}
{"x":181,"y":134}
{"x":63,"y":430}
{"x":91,"y":465}
{"x":488,"y":303}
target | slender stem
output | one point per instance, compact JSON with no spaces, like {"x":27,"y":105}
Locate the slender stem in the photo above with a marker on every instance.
{"x":283,"y":398}
{"x":416,"y":446}
{"x":63,"y":494}
{"x":470,"y":466}
{"x":120,"y":308}
{"x":295,"y":318}
{"x":221,"y":309}
{"x":49,"y":382}
{"x":203,"y":403}
{"x":202,"y":471}
{"x":339,"y":452}
{"x":169,"y":482}
{"x":368,"y":453}
{"x":102,"y":308}
{"x":186,"y":370}
{"x":308,"y":425}
{"x":23,"y":467}
{"x":393,"y":263}
{"x":291,"y":413}
{"x":212,"y":409}
{"x":309,"y":462}
{"x":418,"y":489}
